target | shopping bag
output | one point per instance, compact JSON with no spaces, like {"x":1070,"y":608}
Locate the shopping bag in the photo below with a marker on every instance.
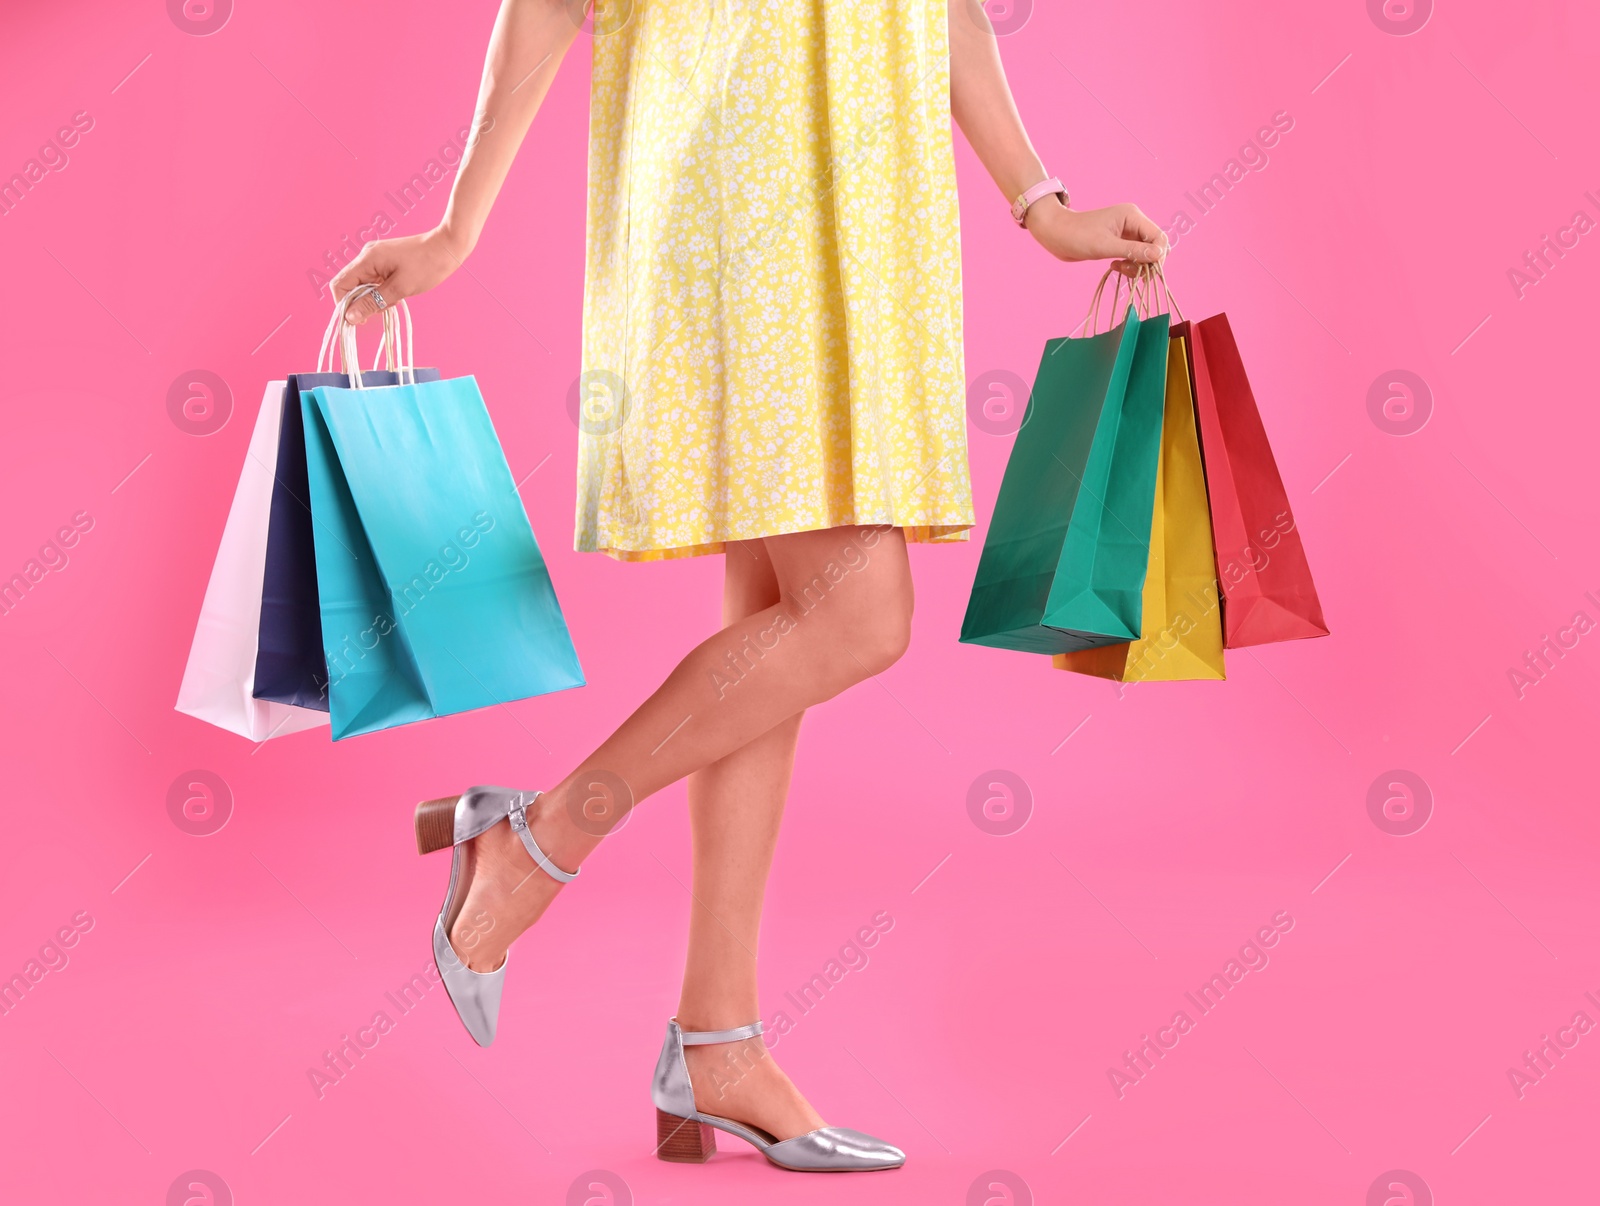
{"x":1182,"y":622}
{"x":1267,"y":590}
{"x":1064,"y":560}
{"x":433,"y":595}
{"x":219,"y":677}
{"x":290,"y":665}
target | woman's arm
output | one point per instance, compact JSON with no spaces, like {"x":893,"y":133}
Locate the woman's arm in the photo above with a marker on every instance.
{"x":981,"y":103}
{"x":530,"y":39}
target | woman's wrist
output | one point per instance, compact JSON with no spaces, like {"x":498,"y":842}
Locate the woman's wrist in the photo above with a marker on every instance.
{"x":1044,"y":212}
{"x":457,"y":241}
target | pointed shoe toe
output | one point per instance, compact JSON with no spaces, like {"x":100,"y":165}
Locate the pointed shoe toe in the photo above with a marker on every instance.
{"x":835,"y":1149}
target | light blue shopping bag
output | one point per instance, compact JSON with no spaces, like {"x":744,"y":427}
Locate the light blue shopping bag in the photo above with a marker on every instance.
{"x":434,"y":596}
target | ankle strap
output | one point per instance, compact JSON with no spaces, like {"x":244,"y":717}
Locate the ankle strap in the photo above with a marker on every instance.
{"x":696,"y":1038}
{"x":517,"y":814}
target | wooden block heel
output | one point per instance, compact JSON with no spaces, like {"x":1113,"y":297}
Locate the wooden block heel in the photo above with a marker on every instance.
{"x":436,"y":824}
{"x":683,"y":1140}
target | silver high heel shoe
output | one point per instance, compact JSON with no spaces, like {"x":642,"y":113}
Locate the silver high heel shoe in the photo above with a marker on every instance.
{"x":685,"y":1135}
{"x":454,"y":821}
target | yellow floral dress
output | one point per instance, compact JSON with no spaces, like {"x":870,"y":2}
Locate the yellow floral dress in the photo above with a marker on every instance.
{"x":772,"y":303}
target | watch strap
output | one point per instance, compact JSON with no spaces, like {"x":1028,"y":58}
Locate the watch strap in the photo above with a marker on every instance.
{"x":1025,"y":200}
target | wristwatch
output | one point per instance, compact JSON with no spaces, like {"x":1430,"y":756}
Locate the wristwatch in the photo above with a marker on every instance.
{"x":1024,"y":202}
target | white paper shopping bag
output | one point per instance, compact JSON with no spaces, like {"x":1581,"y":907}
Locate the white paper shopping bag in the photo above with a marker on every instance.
{"x":220,"y":676}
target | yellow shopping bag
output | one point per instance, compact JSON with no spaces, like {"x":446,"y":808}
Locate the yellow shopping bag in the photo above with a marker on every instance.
{"x":1182,"y":621}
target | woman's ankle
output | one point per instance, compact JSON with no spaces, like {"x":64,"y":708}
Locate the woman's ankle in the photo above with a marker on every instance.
{"x":564,"y":842}
{"x":699,"y":1016}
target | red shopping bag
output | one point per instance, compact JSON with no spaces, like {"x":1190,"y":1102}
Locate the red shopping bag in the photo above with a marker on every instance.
{"x":1266,"y":582}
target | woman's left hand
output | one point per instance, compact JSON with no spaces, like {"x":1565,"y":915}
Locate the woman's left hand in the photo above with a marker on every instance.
{"x":1120,"y":233}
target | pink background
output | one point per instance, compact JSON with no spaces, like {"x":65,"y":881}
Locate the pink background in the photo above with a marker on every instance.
{"x":1167,"y":828}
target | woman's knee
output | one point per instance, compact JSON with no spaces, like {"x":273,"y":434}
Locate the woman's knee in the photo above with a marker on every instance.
{"x":856,"y":587}
{"x":880,"y":639}
{"x":852,"y":585}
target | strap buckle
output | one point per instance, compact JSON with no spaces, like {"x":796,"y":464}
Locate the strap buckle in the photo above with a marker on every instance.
{"x":517,"y":815}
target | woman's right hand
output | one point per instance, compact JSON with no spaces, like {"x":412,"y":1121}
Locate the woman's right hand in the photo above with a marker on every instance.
{"x":1119,"y":233}
{"x":400,"y":268}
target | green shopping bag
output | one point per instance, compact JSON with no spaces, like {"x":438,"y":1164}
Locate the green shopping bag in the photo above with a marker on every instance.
{"x":1063,"y":564}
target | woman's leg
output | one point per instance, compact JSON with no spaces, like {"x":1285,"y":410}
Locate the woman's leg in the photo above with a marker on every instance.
{"x":844,"y":614}
{"x":735,"y":809}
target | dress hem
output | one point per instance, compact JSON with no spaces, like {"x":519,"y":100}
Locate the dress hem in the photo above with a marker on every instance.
{"x":938,"y":533}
